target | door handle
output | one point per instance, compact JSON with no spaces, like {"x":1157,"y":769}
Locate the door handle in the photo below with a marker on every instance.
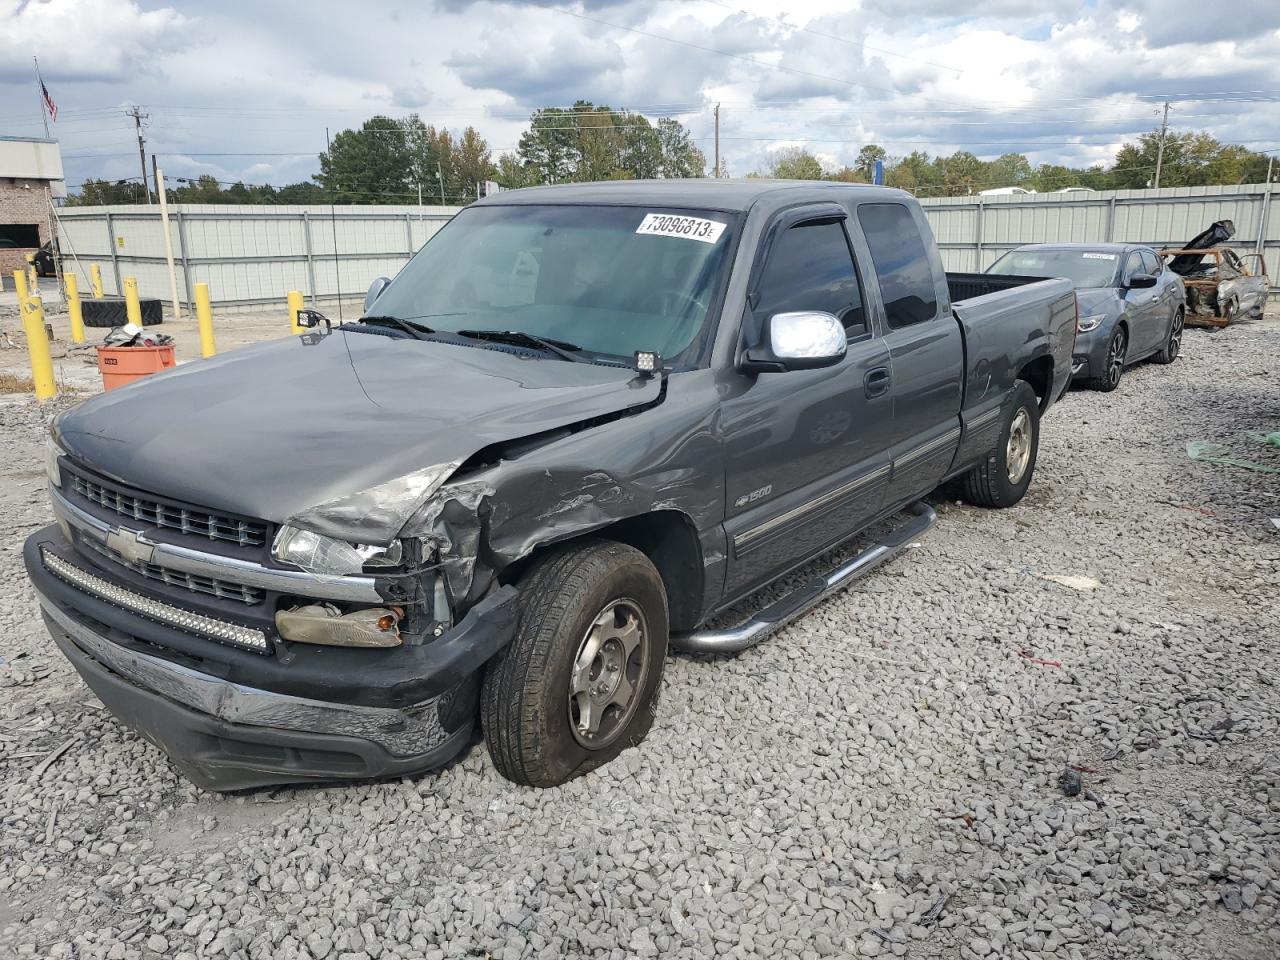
{"x":876,"y":382}
{"x":1155,"y":298}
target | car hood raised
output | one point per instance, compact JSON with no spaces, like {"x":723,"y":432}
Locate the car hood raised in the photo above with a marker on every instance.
{"x":270,"y":430}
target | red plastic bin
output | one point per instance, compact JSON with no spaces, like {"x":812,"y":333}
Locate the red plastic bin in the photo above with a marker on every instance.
{"x":121,"y":365}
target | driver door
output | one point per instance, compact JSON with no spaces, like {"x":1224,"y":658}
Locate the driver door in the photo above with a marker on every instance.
{"x":807,"y":451}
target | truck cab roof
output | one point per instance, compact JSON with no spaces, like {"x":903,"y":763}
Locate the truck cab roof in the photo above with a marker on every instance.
{"x":704,"y":193}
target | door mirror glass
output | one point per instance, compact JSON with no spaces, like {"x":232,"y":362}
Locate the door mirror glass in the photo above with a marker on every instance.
{"x":375,"y":289}
{"x":799,"y":340}
{"x":1140,"y":280}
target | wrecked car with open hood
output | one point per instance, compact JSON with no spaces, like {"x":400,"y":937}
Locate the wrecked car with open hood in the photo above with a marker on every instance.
{"x":1221,"y":286}
{"x":578,"y":425}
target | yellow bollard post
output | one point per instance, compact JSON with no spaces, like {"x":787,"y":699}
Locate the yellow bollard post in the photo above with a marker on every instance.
{"x":33,"y":278}
{"x":95,"y":281}
{"x":204,"y":319}
{"x":296,"y":303}
{"x":132,"y":308}
{"x":20,"y":285}
{"x":73,"y":307}
{"x":38,"y":348}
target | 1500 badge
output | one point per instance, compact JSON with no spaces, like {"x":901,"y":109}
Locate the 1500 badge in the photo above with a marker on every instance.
{"x":753,"y":496}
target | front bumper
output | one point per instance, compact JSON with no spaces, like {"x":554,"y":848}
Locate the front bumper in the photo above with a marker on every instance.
{"x":402,"y":710}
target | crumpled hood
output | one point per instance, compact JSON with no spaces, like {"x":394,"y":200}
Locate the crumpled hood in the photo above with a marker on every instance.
{"x":271,"y":430}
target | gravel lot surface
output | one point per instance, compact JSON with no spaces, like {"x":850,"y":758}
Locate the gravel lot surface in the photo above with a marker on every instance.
{"x":884,"y":778}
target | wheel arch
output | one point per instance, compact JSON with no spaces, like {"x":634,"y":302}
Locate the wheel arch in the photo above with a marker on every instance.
{"x":1038,"y":373}
{"x":668,"y":538}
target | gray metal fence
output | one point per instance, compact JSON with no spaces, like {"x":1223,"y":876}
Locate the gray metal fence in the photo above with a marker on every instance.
{"x":248,"y":255}
{"x":253,"y":255}
{"x":973,"y":231}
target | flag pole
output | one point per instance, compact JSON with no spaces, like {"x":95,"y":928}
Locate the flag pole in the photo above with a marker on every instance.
{"x":44,"y":113}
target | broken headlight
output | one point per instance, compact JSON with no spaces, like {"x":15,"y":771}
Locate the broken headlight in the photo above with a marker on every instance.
{"x":375,"y":515}
{"x":318,"y":554}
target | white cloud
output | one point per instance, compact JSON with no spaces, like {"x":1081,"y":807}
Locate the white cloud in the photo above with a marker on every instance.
{"x":1066,"y":81}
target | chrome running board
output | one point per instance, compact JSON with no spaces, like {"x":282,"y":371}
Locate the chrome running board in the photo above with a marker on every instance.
{"x":781,"y":612}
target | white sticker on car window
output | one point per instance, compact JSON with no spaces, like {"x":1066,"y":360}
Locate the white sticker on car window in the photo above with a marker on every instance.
{"x":1098,"y":256}
{"x":688,"y":228}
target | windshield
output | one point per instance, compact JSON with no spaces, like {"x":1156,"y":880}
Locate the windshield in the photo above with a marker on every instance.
{"x":610,"y":280}
{"x":1085,"y":268}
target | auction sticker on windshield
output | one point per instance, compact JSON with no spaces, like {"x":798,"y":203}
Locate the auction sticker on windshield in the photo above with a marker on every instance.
{"x":1097,"y":256}
{"x":689,"y":228}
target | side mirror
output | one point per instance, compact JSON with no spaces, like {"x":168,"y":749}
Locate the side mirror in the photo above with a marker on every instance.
{"x":1140,"y":281}
{"x":803,"y":340}
{"x":375,"y":289}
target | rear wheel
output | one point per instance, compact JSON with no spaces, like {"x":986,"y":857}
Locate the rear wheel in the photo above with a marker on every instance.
{"x":1001,"y":480}
{"x":1113,"y":365}
{"x":579,"y":682}
{"x":1173,"y":343}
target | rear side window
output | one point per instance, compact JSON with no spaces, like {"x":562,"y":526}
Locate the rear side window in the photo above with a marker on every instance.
{"x":810,"y":267}
{"x":901,"y":262}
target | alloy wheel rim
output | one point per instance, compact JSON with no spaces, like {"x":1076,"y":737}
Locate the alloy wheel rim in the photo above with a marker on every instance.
{"x":1115,"y":357}
{"x":1018,"y":451}
{"x":1175,"y":338}
{"x":609,"y":669}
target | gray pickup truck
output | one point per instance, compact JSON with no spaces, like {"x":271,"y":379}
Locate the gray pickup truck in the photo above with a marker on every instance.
{"x":581,"y":424}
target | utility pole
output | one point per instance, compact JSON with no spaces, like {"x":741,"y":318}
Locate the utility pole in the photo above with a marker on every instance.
{"x":440,"y":177}
{"x":138,"y":116}
{"x":716,"y":171}
{"x":1164,"y":127}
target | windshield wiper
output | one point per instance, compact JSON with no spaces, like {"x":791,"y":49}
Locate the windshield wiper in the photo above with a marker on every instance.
{"x":416,"y":330}
{"x":519,"y":338}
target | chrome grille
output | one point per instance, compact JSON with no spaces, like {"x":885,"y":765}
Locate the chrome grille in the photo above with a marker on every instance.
{"x":196,"y":522}
{"x":177,"y":578}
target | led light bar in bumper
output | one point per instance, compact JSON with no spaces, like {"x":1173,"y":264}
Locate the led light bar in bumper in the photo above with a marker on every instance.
{"x":220,"y":630}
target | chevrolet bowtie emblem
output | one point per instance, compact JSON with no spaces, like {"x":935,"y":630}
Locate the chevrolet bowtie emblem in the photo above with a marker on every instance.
{"x":132,"y":546}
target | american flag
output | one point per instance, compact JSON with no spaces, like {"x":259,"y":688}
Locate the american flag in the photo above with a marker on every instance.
{"x":48,"y":101}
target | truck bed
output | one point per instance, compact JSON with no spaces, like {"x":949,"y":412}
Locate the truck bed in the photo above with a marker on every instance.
{"x":963,"y":286}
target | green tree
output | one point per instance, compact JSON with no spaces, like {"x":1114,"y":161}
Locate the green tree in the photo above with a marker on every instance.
{"x":514,"y":174}
{"x":369,"y":165}
{"x":795,"y":163}
{"x":95,"y":193}
{"x":589,"y":142}
{"x":1008,"y":170}
{"x":680,"y":158}
{"x":866,"y":162}
{"x":962,"y":173}
{"x":303,"y":192}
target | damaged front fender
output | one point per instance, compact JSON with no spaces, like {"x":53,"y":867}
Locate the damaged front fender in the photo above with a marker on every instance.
{"x":574,"y":485}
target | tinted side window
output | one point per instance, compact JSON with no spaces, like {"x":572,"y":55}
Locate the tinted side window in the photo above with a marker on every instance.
{"x":810,"y":267}
{"x":901,"y":261}
{"x":1132,"y":265}
{"x":1151,"y":263}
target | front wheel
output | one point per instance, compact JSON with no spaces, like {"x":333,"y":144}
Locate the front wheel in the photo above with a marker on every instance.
{"x":579,"y":682}
{"x":1173,"y":343}
{"x":1113,"y":366}
{"x":1001,"y":480}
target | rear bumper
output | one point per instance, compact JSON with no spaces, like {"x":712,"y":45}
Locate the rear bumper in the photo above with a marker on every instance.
{"x":230,"y":734}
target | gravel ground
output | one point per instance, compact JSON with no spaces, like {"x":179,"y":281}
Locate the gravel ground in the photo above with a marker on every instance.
{"x":884,"y":778}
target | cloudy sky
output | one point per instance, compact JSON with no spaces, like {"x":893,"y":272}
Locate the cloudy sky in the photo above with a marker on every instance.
{"x":245,"y":90}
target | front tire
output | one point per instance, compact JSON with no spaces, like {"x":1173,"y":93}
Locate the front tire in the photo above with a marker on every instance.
{"x":1002,"y":479}
{"x":1113,"y":365}
{"x":579,"y":682}
{"x":1173,"y":343}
